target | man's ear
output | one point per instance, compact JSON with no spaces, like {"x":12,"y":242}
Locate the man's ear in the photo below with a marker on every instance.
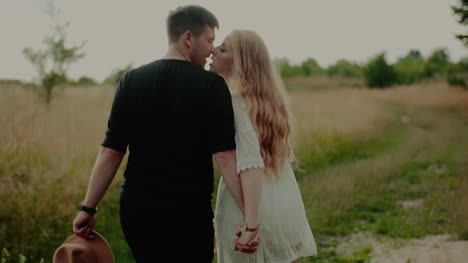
{"x":187,"y":39}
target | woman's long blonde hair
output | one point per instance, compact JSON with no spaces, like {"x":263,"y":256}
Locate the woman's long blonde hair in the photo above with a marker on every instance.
{"x":257,"y":81}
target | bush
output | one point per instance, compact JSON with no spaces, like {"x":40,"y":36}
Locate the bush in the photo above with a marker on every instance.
{"x":344,"y":68}
{"x":85,"y":80}
{"x":378,"y":73}
{"x":115,"y":75}
{"x":457,"y":74}
{"x":437,"y":64}
{"x":11,"y":82}
{"x":286,"y":69}
{"x":310,"y":67}
{"x":409,"y":69}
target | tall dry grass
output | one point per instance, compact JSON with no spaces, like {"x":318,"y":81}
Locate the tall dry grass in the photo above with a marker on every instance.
{"x":345,"y":111}
{"x":46,"y":155}
{"x":47,"y":152}
{"x":430,"y":93}
{"x":323,"y":82}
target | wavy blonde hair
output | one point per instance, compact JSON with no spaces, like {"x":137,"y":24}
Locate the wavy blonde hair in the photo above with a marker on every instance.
{"x":256,"y":80}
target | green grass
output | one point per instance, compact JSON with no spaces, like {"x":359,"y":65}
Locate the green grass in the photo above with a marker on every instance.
{"x":360,"y":256}
{"x":418,"y":161}
{"x":381,"y":213}
{"x":330,"y":149}
{"x":348,"y":184}
{"x":109,"y":223}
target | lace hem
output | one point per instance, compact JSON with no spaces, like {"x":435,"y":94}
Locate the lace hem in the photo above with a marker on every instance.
{"x":250,"y":164}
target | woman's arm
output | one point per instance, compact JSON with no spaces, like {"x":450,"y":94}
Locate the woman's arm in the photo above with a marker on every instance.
{"x":227,"y":166}
{"x":251,"y":182}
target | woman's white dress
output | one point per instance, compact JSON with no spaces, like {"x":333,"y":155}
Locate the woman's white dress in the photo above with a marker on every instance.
{"x":286,"y":234}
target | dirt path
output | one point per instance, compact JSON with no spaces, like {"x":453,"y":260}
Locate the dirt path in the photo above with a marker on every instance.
{"x":430,"y":249}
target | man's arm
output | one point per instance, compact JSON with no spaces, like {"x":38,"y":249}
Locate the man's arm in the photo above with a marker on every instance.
{"x":105,"y":168}
{"x":227,"y":166}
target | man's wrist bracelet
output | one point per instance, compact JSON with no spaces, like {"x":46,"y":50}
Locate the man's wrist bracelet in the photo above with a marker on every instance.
{"x":88,"y":210}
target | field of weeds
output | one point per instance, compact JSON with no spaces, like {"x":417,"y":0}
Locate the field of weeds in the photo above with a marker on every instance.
{"x":386,"y":164}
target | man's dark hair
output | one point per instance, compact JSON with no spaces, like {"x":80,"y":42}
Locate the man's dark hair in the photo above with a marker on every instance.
{"x":191,"y":18}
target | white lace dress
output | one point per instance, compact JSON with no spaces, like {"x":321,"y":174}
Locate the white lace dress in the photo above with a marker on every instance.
{"x":286,"y":234}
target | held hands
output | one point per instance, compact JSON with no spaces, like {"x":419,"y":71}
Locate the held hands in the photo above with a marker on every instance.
{"x":248,"y":241}
{"x":83,"y":225}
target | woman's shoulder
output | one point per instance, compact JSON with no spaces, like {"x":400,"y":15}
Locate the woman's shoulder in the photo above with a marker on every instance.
{"x":238,"y":101}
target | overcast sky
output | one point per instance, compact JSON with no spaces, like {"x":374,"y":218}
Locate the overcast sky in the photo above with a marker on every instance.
{"x":121,"y":32}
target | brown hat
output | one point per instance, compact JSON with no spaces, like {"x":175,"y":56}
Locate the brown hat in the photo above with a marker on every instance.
{"x":79,"y":250}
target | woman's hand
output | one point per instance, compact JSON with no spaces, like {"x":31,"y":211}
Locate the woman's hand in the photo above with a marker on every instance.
{"x":83,"y":225}
{"x":248,"y":241}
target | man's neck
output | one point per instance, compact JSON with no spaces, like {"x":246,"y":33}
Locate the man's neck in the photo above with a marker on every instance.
{"x":176,"y":53}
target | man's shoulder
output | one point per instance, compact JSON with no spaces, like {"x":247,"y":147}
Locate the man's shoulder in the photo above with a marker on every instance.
{"x":189,"y":69}
{"x":144,"y":67}
{"x":200,"y":72}
{"x":214,"y":77}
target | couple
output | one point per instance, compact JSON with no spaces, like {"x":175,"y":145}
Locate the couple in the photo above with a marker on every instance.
{"x":174,"y":116}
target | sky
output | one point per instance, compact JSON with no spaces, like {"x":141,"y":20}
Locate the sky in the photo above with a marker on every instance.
{"x":121,"y":32}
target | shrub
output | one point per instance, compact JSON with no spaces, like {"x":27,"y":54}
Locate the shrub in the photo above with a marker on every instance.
{"x":409,"y":69}
{"x":378,"y":73}
{"x":344,"y":68}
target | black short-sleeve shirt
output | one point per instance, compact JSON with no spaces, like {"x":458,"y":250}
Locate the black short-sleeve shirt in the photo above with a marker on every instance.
{"x":172,"y":116}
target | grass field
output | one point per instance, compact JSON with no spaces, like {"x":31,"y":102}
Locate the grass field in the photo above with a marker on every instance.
{"x":389,"y":163}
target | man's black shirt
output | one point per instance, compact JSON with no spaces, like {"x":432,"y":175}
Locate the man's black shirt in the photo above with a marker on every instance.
{"x":172,"y":116}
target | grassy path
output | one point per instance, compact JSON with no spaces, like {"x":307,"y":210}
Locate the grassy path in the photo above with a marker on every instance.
{"x":402,"y":184}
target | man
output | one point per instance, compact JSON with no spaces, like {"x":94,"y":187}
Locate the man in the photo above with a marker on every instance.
{"x":173,"y":115}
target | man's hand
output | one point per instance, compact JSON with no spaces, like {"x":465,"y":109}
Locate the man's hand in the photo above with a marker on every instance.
{"x":83,"y":225}
{"x":248,"y":241}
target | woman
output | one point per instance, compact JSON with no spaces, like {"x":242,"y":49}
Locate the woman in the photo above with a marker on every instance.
{"x":271,"y":197}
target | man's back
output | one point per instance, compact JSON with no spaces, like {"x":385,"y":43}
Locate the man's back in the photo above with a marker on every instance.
{"x":173,"y":116}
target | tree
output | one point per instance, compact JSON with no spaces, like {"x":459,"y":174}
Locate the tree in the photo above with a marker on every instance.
{"x":85,"y":80}
{"x":437,"y":63}
{"x":458,"y":73}
{"x":378,"y":73}
{"x":344,"y":68}
{"x":310,"y":67}
{"x":462,"y":12}
{"x":115,"y":75}
{"x":286,"y":69}
{"x":409,"y":69}
{"x":52,"y":63}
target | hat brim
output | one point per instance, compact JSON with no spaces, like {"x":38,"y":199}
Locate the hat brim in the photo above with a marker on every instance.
{"x":99,"y":245}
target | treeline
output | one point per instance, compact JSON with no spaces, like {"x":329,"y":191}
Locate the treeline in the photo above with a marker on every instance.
{"x":377,"y":72}
{"x":112,"y":79}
